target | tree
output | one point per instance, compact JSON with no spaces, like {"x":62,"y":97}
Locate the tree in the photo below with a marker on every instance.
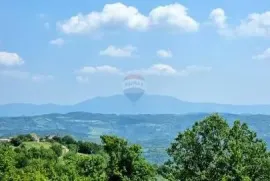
{"x":126,"y":161}
{"x":68,"y":140}
{"x":212,"y":150}
{"x":7,"y":161}
{"x":92,"y":166}
{"x":57,"y":148}
{"x":16,"y":141}
{"x":88,"y":147}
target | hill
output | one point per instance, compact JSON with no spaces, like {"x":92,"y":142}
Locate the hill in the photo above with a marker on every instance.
{"x":153,"y":132}
{"x":119,"y":104}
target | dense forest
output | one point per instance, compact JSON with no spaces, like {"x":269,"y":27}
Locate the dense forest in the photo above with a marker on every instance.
{"x":210,"y":150}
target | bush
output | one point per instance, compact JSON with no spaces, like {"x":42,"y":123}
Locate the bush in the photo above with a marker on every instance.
{"x":57,"y":148}
{"x":88,"y":147}
{"x":16,"y":141}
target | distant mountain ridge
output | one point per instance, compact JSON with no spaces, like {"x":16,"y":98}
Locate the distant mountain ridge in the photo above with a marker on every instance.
{"x":119,"y":104}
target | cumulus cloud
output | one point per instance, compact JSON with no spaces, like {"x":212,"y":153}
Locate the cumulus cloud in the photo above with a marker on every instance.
{"x":161,"y":69}
{"x":10,"y":59}
{"x":113,"y":51}
{"x":218,"y":17}
{"x":119,"y":14}
{"x":83,"y":75}
{"x":263,"y":56}
{"x":256,"y":24}
{"x":175,"y":15}
{"x":164,"y":53}
{"x":58,"y":42}
{"x":112,"y":14}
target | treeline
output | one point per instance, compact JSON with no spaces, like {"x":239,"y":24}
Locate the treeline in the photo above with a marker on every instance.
{"x":210,"y":150}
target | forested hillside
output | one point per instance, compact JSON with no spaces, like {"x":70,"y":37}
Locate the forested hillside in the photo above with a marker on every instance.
{"x":209,"y":150}
{"x":153,"y":132}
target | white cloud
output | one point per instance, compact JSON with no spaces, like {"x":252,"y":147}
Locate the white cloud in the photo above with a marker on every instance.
{"x":40,"y":78}
{"x":256,"y":24}
{"x":161,"y":69}
{"x":218,"y":17}
{"x":194,"y":69}
{"x":99,"y":69}
{"x":164,"y":53}
{"x":10,"y":59}
{"x":58,"y":42}
{"x":119,"y":14}
{"x":263,"y":56}
{"x":113,"y":51}
{"x":83,"y":75}
{"x":175,"y":15}
{"x":167,"y":70}
{"x":112,"y":14}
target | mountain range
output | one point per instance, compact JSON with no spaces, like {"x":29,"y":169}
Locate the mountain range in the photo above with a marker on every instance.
{"x":119,"y":104}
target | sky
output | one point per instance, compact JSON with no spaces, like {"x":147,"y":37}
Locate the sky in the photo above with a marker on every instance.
{"x":64,"y":52}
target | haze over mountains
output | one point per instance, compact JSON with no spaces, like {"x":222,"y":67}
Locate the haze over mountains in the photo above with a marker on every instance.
{"x":119,"y":104}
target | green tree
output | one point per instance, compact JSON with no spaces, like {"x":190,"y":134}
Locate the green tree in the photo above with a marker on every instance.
{"x":16,"y":141}
{"x":57,"y":148}
{"x":92,"y":166}
{"x":7,"y":161}
{"x":88,"y":147}
{"x":212,"y":150}
{"x":126,"y":161}
{"x":68,"y":140}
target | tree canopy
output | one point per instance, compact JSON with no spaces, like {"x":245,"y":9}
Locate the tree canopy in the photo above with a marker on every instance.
{"x":212,"y":150}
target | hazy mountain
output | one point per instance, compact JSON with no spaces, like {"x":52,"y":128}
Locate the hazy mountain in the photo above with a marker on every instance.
{"x":119,"y":104}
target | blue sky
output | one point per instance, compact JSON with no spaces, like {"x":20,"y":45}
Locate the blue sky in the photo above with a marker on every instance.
{"x":201,"y":51}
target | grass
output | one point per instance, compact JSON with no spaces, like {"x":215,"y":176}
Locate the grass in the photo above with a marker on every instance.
{"x":46,"y":145}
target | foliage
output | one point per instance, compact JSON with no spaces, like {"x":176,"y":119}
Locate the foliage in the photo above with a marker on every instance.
{"x":212,"y":150}
{"x":33,"y":161}
{"x":15,"y":141}
{"x":126,"y":161}
{"x":57,"y":148}
{"x":209,"y":150}
{"x":88,"y":147}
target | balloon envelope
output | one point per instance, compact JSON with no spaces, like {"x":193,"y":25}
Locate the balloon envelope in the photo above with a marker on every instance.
{"x":133,"y":87}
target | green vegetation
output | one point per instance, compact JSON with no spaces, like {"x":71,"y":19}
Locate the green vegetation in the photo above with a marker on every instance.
{"x":209,"y":150}
{"x":31,"y":144}
{"x":65,"y":159}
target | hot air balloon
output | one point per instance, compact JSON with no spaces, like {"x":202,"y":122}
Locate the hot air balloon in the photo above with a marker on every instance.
{"x":133,"y":87}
